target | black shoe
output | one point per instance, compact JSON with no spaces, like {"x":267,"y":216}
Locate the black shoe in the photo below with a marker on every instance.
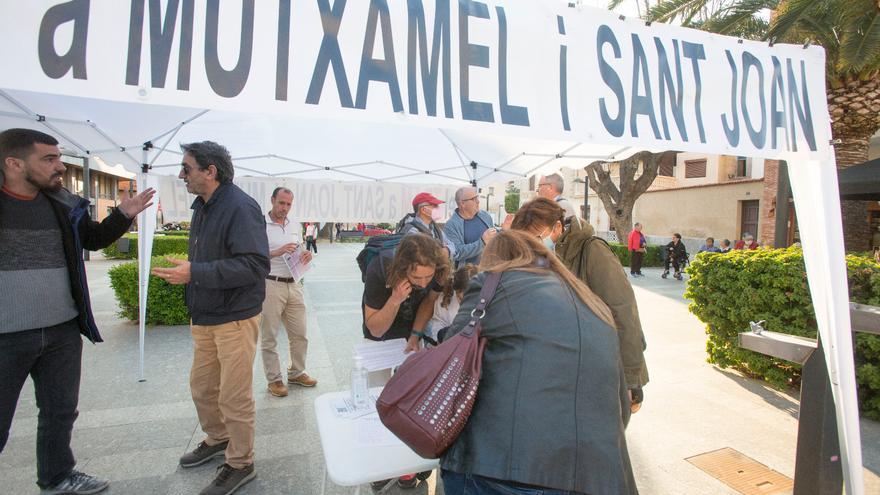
{"x":202,"y":454}
{"x":381,"y":484}
{"x":229,"y":479}
{"x":76,"y":483}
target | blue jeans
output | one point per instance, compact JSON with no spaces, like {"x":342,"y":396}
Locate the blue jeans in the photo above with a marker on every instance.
{"x":52,"y":356}
{"x":471,"y":484}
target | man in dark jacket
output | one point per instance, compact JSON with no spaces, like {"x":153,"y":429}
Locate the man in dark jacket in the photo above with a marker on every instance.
{"x":225,"y":279}
{"x":45,"y":304}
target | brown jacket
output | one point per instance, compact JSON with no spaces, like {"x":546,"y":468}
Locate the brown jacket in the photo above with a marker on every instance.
{"x":592,"y":260}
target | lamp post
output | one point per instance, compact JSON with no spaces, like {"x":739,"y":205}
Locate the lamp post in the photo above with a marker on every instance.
{"x":586,"y":182}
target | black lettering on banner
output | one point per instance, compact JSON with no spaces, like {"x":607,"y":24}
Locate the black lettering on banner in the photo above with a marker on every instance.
{"x":676,"y":96}
{"x":563,"y":76}
{"x":777,"y":101}
{"x":56,"y":65}
{"x":614,"y":126}
{"x":470,"y":55}
{"x":382,"y":70}
{"x":731,"y":124}
{"x":330,"y":54}
{"x":510,"y":114}
{"x":696,"y":52}
{"x":804,"y":114}
{"x":161,"y":39}
{"x":417,"y":41}
{"x":641,"y":104}
{"x":228,"y":83}
{"x":757,"y":136}
{"x":282,"y":64}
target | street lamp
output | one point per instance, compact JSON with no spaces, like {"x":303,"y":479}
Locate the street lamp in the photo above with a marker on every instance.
{"x":586,"y":182}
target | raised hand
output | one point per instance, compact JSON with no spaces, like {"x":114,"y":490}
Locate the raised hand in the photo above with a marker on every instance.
{"x":130,"y":207}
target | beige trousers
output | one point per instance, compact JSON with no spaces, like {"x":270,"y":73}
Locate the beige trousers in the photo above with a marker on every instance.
{"x":221,"y":382}
{"x":284,"y":306}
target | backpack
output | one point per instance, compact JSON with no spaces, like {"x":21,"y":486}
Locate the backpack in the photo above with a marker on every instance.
{"x":388,"y":242}
{"x":374,"y":247}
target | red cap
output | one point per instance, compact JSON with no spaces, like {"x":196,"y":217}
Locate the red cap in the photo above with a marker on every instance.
{"x":424,"y":197}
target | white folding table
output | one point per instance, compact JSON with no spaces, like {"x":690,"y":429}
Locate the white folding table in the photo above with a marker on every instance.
{"x":347,"y":463}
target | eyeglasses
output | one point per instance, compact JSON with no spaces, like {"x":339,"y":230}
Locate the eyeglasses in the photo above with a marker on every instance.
{"x":542,"y":184}
{"x":470,"y":199}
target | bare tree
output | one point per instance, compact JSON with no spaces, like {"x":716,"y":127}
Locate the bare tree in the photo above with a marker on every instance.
{"x":620,"y":199}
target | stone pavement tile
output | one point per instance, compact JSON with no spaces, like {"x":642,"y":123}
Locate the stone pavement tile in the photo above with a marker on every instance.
{"x":149,"y":485}
{"x":134,"y":464}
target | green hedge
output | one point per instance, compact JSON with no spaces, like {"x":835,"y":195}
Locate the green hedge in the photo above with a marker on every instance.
{"x":729,"y":290}
{"x":168,"y":244}
{"x":165,"y":302}
{"x":652,"y":255}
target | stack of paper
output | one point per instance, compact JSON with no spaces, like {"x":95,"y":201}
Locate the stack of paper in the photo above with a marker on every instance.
{"x":382,"y":355}
{"x":294,"y":263}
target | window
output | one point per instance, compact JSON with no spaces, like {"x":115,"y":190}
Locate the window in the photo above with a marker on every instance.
{"x":742,"y":167}
{"x":667,"y":166}
{"x":532,"y":181}
{"x":694,"y":169}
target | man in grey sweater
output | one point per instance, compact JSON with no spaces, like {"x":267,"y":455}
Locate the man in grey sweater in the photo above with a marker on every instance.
{"x":45,"y":304}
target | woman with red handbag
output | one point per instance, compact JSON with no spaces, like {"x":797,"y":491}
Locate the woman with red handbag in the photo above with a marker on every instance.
{"x":552,"y":401}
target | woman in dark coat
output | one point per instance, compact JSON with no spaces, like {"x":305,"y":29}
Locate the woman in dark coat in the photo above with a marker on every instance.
{"x":552,"y":404}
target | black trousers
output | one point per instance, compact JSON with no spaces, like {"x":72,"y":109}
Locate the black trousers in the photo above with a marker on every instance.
{"x":675,"y":262}
{"x":635,"y":262}
{"x":312,"y":245}
{"x":52,"y":356}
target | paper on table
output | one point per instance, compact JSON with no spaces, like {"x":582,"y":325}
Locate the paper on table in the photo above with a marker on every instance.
{"x":296,"y":267}
{"x":371,"y":432}
{"x":344,"y":407}
{"x":382,"y":355}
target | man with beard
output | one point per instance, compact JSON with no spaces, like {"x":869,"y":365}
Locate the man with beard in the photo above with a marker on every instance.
{"x":45,"y":304}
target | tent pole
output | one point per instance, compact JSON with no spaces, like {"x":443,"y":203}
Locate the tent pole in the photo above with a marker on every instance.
{"x":87,"y":188}
{"x":143,"y":266}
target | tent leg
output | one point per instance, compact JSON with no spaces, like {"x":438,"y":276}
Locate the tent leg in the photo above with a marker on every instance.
{"x":817,"y":467}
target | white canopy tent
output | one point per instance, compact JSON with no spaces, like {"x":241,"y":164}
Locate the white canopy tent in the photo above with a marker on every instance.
{"x":429,"y":93}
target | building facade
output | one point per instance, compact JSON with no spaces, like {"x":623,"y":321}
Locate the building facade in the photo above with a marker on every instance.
{"x":107,"y":184}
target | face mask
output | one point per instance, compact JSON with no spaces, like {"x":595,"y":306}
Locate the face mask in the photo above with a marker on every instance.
{"x":436,"y":214}
{"x":548,"y":241}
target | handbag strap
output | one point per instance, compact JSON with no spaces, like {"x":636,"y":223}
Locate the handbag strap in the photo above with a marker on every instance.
{"x":486,"y":296}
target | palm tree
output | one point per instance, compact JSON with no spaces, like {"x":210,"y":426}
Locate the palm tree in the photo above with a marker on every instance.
{"x":849,"y":30}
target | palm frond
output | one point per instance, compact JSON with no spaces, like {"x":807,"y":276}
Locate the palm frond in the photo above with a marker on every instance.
{"x":740,"y":18}
{"x":669,"y":10}
{"x":789,"y":14}
{"x":613,"y":4}
{"x":860,"y":44}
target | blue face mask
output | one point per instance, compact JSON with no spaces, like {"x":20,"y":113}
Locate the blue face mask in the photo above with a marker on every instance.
{"x":548,"y":242}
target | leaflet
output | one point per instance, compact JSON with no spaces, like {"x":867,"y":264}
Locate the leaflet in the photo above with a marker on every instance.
{"x":297,"y":268}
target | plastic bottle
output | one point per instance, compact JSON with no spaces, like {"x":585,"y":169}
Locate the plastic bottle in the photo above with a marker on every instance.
{"x":359,"y":388}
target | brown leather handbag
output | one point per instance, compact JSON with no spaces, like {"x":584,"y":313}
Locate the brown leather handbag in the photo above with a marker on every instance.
{"x":428,"y":401}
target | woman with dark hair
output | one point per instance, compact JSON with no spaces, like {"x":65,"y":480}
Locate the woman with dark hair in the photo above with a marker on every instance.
{"x":591,"y":259}
{"x":552,"y":404}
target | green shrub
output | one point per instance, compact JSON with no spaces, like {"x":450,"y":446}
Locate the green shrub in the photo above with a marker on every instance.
{"x":162,"y":244}
{"x":652,"y":254}
{"x":165,"y":302}
{"x":184,"y":233}
{"x":729,"y":290}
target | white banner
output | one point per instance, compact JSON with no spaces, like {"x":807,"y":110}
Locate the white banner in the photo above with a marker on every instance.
{"x":515,"y":67}
{"x":315,"y":201}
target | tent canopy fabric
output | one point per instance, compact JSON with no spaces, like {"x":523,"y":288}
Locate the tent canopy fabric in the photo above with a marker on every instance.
{"x":860,"y":182}
{"x":430,"y":92}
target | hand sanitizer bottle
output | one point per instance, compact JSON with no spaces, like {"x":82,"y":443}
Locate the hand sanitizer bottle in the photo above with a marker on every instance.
{"x":359,"y":390}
